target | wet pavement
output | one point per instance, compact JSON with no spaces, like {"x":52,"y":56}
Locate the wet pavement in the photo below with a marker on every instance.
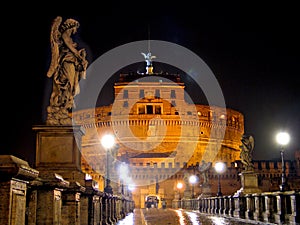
{"x":155,"y":216}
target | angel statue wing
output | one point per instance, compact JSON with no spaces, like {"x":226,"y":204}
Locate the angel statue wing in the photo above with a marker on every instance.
{"x":144,"y":54}
{"x":248,"y":141}
{"x":148,"y":57}
{"x":54,"y":40}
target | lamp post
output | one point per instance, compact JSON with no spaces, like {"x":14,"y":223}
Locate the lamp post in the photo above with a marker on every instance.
{"x":108,"y":142}
{"x":283,"y":139}
{"x":193,"y":179}
{"x":220,"y":168}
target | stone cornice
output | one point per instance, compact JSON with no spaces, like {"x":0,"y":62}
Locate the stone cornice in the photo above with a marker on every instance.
{"x":13,"y":167}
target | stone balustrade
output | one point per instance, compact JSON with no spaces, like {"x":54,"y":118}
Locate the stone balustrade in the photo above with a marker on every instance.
{"x":29,"y":199}
{"x":269,"y":207}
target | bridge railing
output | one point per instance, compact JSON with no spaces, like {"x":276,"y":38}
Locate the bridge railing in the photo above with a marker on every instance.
{"x":270,"y":207}
{"x":27,"y":199}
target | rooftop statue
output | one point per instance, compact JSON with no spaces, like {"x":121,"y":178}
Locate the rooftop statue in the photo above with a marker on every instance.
{"x":148,"y":58}
{"x":247,"y":152}
{"x":68,"y":66}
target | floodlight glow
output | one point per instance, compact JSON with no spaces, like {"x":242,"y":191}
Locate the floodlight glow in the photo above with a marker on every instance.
{"x":179,"y":185}
{"x":193,"y":179}
{"x":283,"y":138}
{"x":220,"y":167}
{"x":107,"y":141}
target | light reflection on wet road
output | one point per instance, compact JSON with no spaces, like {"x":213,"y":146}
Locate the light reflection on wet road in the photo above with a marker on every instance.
{"x":154,"y":216}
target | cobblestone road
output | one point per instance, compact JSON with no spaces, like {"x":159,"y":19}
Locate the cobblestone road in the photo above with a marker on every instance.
{"x":155,"y":216}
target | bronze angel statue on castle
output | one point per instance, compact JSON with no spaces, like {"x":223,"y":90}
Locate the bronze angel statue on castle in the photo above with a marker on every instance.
{"x":68,"y":66}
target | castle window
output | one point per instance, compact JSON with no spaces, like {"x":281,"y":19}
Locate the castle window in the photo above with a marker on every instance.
{"x":189,"y":113}
{"x":141,"y":109}
{"x":170,"y":165}
{"x":157,"y":109}
{"x":173,"y":94}
{"x":125,"y":94}
{"x":173,"y":103}
{"x":125,"y":104}
{"x":142,"y":93}
{"x":109,"y":113}
{"x":157,"y":93}
{"x":162,"y":165}
{"x":149,"y":109}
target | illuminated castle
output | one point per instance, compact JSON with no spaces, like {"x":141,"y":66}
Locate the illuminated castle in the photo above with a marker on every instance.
{"x":156,"y":128}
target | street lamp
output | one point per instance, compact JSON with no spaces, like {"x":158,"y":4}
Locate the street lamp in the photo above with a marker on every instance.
{"x":193,"y":179}
{"x":179,"y":186}
{"x":220,"y":167}
{"x":283,"y":139}
{"x":108,"y":142}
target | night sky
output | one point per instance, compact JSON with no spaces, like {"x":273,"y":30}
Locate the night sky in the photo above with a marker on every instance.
{"x":252,"y":50}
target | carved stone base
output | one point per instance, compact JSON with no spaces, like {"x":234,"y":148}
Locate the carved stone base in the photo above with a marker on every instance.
{"x":58,"y":150}
{"x":249,"y":182}
{"x":206,"y":191}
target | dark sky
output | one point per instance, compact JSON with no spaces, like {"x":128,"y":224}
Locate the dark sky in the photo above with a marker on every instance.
{"x":253,"y":50}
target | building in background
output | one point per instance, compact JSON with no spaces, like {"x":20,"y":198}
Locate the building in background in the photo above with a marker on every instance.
{"x":163,"y":139}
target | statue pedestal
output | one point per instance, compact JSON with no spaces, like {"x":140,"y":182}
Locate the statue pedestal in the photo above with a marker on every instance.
{"x":187,"y":194}
{"x":249,"y":182}
{"x":58,"y":150}
{"x":206,"y":191}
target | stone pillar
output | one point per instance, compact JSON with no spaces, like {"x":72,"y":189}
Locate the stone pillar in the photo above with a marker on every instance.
{"x":97,"y":217}
{"x":221,"y":205}
{"x":49,"y":200}
{"x":231,"y":206}
{"x":112,"y":210}
{"x":71,"y":213}
{"x":249,"y":207}
{"x":32,"y":204}
{"x":258,"y":205}
{"x":226,"y":206}
{"x":86,"y":203}
{"x":88,"y":200}
{"x":206,"y":205}
{"x":269,"y":203}
{"x":217,"y":205}
{"x":294,"y":218}
{"x":212,"y":205}
{"x":15,"y":176}
{"x":236,"y":212}
{"x":239,"y":207}
{"x":119,"y":208}
{"x":105,"y":209}
{"x":278,"y":216}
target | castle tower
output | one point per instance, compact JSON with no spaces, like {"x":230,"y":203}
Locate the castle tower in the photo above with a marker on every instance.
{"x":157,"y":132}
